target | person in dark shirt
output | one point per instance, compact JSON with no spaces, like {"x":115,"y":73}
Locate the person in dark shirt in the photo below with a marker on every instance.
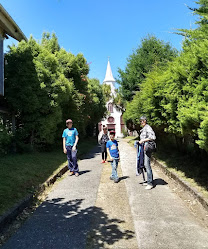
{"x":103,"y":140}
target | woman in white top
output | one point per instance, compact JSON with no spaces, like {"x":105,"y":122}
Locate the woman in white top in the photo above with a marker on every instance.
{"x":147,"y":134}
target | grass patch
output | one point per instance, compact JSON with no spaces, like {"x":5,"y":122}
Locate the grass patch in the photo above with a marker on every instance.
{"x":21,"y":174}
{"x":129,"y":137}
{"x":132,"y":140}
{"x":184,"y":165}
{"x":193,"y":171}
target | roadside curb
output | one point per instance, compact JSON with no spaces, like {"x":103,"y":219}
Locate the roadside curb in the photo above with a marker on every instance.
{"x":11,"y":215}
{"x":181,"y":182}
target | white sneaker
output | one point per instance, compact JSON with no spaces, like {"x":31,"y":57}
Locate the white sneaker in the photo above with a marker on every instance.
{"x":144,"y":184}
{"x":149,"y":187}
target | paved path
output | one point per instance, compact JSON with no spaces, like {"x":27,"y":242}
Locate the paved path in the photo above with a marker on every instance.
{"x":161,"y":219}
{"x":64,"y":219}
{"x":92,"y":212}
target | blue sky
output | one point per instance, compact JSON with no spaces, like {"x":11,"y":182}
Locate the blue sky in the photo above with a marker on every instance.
{"x":102,"y":28}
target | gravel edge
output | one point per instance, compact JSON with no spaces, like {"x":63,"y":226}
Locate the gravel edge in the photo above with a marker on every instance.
{"x":185,"y":185}
{"x":12,"y":214}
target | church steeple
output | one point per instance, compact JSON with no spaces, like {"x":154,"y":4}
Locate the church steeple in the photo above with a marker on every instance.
{"x":109,"y":79}
{"x":109,"y":76}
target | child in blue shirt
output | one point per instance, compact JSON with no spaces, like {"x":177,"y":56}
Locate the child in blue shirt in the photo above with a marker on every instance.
{"x":70,"y":140}
{"x":113,"y":153}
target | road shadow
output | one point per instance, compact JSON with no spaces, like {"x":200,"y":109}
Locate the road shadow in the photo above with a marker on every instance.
{"x":123,"y":178}
{"x":64,"y":224}
{"x":92,"y":153}
{"x":159,"y":181}
{"x":84,"y":172}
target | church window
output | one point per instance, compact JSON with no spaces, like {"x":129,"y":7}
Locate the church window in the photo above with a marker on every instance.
{"x":110,"y":107}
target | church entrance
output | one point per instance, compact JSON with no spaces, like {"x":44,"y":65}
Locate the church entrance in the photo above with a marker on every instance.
{"x":111,"y":127}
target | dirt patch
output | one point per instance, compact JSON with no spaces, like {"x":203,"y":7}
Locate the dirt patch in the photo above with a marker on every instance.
{"x":117,"y":227}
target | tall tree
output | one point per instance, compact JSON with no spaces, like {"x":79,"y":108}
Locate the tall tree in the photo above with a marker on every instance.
{"x":151,"y":52}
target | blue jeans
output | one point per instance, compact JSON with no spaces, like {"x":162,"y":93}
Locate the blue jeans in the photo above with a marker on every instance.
{"x":72,"y":159}
{"x":148,"y":168}
{"x":114,"y":165}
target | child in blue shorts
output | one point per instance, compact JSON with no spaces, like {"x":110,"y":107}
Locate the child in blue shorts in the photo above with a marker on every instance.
{"x":113,"y":153}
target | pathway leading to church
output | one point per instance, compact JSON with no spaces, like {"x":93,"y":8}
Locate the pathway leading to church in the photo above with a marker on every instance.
{"x":92,"y":212}
{"x":161,"y":219}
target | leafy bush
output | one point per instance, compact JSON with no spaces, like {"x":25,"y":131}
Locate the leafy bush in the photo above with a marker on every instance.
{"x":5,"y":140}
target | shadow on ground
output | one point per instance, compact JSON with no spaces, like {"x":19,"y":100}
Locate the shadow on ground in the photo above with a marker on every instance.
{"x":93,"y":153}
{"x":60,"y":224}
{"x":84,"y":172}
{"x":159,"y":181}
{"x":123,"y":178}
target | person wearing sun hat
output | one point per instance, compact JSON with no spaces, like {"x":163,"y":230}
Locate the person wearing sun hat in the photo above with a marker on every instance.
{"x":70,"y":140}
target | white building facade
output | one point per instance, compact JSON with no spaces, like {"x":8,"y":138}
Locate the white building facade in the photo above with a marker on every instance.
{"x":114,"y":120}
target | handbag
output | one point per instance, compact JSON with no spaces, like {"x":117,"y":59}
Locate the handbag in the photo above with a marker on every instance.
{"x":150,"y":146}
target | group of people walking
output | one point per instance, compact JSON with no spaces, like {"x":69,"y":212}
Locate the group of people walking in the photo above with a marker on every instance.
{"x":109,"y":149}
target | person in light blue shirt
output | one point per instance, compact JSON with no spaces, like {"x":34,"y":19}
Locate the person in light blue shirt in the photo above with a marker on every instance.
{"x":70,"y":140}
{"x":113,"y":153}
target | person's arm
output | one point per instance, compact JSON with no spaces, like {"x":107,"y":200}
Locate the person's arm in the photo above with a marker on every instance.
{"x":64,"y":145}
{"x":100,"y":140}
{"x":118,"y":150}
{"x":75,"y":144}
{"x":144,"y":140}
{"x":108,"y":151}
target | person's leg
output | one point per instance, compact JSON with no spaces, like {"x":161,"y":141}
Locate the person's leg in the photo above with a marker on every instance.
{"x":74,"y":162}
{"x":69,"y":158}
{"x":114,"y":165}
{"x":105,"y":155}
{"x":148,"y":169}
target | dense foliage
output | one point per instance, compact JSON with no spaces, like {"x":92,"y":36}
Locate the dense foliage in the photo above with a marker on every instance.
{"x":45,"y":85}
{"x":151,"y":52}
{"x":174,"y":96}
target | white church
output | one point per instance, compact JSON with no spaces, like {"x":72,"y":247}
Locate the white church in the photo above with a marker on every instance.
{"x":114,"y":120}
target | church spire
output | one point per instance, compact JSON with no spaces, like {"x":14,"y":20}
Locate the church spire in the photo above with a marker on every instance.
{"x":109,"y":76}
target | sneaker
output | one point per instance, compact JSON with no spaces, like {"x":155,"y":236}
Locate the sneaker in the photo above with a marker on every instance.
{"x":103,"y":161}
{"x":76,"y":174}
{"x":111,"y":178}
{"x":116,"y":180}
{"x":144,"y":184}
{"x":149,"y":187}
{"x":71,"y":173}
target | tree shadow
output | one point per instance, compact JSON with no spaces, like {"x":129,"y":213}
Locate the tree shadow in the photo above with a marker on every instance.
{"x":189,"y":163}
{"x":64,"y":224}
{"x":92,"y":153}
